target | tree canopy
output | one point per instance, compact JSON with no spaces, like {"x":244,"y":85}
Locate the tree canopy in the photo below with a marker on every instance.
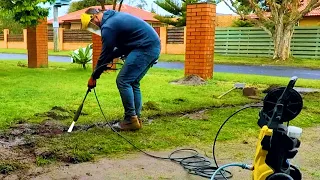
{"x":142,"y":4}
{"x":78,"y":5}
{"x":6,"y":22}
{"x":178,"y":10}
{"x":26,"y":12}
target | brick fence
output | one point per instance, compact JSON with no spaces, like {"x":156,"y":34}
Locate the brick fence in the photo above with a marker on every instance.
{"x":172,"y":39}
{"x":68,"y":39}
{"x":37,"y":45}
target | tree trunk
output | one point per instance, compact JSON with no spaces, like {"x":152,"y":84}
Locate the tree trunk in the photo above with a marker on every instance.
{"x":102,"y":3}
{"x":120,"y":5}
{"x":282,"y":42}
{"x":114,"y":4}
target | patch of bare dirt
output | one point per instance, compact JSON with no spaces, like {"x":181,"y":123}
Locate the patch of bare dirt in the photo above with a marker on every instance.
{"x":200,"y":115}
{"x":139,"y":166}
{"x":50,"y":126}
{"x":59,"y":113}
{"x":18,"y":150}
{"x":190,"y":80}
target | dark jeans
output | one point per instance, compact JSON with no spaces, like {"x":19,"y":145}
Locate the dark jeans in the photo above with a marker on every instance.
{"x":136,"y":65}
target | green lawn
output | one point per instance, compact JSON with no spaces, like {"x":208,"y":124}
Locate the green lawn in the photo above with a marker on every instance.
{"x":24,"y":51}
{"x":64,"y":84}
{"x":25,"y":92}
{"x":241,"y":60}
{"x":218,"y":59}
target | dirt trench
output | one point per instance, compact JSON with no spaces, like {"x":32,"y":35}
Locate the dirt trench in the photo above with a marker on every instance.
{"x":142,"y":167}
{"x":18,"y":144}
{"x":16,"y":153}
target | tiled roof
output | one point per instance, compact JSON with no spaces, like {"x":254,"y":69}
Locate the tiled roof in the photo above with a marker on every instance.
{"x":315,"y":12}
{"x":75,"y":16}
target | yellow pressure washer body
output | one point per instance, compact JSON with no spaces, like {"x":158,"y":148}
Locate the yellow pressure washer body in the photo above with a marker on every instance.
{"x":261,"y":170}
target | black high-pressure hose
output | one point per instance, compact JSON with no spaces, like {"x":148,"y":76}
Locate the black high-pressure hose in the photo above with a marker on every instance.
{"x":194,"y":164}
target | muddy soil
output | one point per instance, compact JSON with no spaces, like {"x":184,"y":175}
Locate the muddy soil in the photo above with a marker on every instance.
{"x":140,"y":166}
{"x":192,"y":80}
{"x":18,"y":152}
{"x":18,"y":149}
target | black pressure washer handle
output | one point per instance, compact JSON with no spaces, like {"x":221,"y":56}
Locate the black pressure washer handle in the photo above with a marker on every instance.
{"x":77,"y":114}
{"x":292,"y":81}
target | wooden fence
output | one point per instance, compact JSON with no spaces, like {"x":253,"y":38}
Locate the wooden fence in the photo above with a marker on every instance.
{"x":50,"y":35}
{"x":246,"y":41}
{"x":75,"y":35}
{"x":175,"y":35}
{"x":15,"y":37}
{"x":256,"y":42}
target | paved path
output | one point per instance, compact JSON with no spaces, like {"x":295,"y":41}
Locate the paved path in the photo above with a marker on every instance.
{"x":260,"y":70}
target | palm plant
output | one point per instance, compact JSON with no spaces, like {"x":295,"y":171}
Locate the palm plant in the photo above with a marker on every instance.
{"x":83,"y":56}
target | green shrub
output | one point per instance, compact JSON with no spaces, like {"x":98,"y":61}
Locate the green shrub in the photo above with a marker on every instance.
{"x":82,"y":56}
{"x":242,"y":23}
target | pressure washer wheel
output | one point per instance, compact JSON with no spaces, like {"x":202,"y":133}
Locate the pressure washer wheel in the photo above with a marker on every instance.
{"x":292,"y":106}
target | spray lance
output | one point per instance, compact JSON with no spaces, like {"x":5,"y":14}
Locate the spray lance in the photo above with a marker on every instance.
{"x":77,"y":114}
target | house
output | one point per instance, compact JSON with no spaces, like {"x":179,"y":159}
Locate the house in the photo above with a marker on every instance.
{"x":72,"y":20}
{"x":225,"y":20}
{"x":310,"y":19}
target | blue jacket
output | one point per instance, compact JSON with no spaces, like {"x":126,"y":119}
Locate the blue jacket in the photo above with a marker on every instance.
{"x":121,"y":33}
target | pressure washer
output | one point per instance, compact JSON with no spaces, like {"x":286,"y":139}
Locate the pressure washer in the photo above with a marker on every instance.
{"x":277,"y":143}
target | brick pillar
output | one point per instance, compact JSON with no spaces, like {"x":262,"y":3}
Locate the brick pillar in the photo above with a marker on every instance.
{"x":60,"y":45}
{"x":163,"y":39}
{"x":5,"y":37}
{"x":37,"y":44}
{"x":200,"y":39}
{"x":25,"y":38}
{"x":96,"y":50}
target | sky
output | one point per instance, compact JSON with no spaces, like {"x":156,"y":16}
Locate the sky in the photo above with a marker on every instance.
{"x":221,"y":8}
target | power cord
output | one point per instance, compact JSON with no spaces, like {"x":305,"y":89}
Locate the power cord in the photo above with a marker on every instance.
{"x":216,"y":137}
{"x":195,"y":164}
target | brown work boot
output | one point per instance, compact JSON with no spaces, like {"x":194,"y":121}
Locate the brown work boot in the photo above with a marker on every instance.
{"x":140,"y":122}
{"x":131,"y":125}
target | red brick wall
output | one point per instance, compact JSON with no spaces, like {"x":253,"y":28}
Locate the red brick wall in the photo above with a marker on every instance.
{"x":37,"y":45}
{"x":200,"y":39}
{"x":97,"y":47}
